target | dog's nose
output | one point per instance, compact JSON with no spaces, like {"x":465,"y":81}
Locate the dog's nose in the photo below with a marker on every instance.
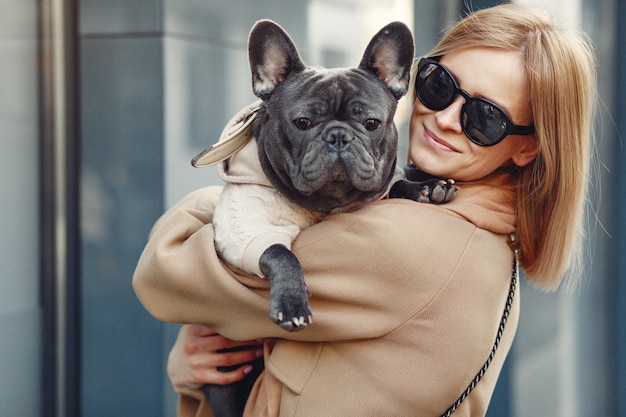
{"x":337,"y":136}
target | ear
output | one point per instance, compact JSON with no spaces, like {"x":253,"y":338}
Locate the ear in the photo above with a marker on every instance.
{"x":528,"y":152}
{"x":389,"y":56}
{"x":272,"y":55}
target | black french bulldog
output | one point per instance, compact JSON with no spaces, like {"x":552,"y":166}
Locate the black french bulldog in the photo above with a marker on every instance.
{"x":326,"y":138}
{"x":326,"y":142}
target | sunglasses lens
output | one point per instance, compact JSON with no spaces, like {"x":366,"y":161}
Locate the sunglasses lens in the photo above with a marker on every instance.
{"x":434,"y":86}
{"x":483,"y":122}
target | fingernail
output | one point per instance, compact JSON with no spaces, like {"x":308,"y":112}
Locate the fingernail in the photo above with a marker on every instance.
{"x":258,"y":353}
{"x":247,"y":369}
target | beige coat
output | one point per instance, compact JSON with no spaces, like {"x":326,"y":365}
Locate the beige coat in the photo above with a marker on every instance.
{"x":406,"y":300}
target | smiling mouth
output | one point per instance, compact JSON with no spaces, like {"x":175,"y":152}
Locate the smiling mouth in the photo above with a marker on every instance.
{"x":437,"y":143}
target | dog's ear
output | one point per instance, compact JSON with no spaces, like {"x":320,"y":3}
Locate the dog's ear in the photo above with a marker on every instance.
{"x":272,"y":55}
{"x":389,"y":56}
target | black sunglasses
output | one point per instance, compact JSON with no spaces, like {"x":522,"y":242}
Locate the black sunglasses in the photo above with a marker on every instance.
{"x":483,"y":122}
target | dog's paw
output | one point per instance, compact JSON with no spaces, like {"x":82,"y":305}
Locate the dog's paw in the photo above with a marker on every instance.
{"x":433,"y":191}
{"x":439,"y":191}
{"x":289,"y":297}
{"x":291,"y":312}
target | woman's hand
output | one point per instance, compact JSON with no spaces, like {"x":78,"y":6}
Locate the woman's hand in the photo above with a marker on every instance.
{"x":196,"y":355}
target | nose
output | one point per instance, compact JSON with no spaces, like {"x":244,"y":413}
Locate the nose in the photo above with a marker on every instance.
{"x":337,"y":136}
{"x":450,"y":117}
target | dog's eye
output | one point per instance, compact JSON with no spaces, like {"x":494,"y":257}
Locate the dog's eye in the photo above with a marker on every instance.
{"x":303,"y":123}
{"x":372,"y":124}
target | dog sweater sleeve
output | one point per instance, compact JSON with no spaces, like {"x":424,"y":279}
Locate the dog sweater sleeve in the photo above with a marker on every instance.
{"x":249,"y":219}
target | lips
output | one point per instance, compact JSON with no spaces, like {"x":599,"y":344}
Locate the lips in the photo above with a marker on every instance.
{"x":436,"y":142}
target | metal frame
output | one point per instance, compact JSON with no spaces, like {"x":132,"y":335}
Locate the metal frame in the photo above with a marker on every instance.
{"x":619,"y":207}
{"x":59,"y":176}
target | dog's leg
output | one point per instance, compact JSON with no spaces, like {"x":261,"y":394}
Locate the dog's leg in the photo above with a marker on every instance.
{"x":289,"y":302}
{"x":230,"y":400}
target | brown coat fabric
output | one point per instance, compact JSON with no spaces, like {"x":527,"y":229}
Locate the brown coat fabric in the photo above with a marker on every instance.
{"x":406,"y":300}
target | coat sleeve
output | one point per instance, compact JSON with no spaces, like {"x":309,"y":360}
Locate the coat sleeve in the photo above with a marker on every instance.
{"x":179,"y":277}
{"x":368,"y":271}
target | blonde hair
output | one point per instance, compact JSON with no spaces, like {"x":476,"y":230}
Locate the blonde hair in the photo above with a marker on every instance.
{"x":551,"y":191}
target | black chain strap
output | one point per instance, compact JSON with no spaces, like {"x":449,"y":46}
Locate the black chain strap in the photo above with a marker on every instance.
{"x":505,"y":317}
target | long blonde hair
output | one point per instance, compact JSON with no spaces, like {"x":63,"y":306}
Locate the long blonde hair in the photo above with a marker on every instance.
{"x":552,"y":190}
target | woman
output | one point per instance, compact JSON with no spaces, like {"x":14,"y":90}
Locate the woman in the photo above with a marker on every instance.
{"x":408,"y":297}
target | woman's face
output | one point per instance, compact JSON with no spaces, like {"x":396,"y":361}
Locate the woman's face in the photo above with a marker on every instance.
{"x":437,"y":144}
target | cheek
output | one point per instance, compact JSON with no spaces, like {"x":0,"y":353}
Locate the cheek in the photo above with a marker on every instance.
{"x":417,"y":116}
{"x":492,"y":158}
